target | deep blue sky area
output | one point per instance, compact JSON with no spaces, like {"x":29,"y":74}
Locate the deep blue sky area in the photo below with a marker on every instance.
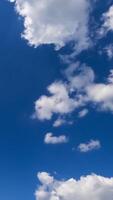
{"x":25,"y":73}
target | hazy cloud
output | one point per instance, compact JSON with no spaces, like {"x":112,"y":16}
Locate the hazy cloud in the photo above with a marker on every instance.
{"x":89,"y":146}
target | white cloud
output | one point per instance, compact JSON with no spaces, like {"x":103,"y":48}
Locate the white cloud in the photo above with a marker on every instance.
{"x":101,"y":95}
{"x":79,"y":76}
{"x":55,"y":22}
{"x":89,"y":146}
{"x":82,"y":81}
{"x":107,"y":19}
{"x":59,"y":122}
{"x":74,"y":94}
{"x":83,"y":113}
{"x":87,"y":187}
{"x":45,"y":178}
{"x":51,"y":139}
{"x":58,"y":102}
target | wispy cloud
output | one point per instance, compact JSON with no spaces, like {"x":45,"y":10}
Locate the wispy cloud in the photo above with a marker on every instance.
{"x":83,"y":113}
{"x":89,"y":146}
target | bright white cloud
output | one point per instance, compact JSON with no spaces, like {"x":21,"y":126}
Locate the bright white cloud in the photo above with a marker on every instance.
{"x":55,"y":22}
{"x":89,"y":146}
{"x":101,"y":95}
{"x":58,"y":102}
{"x":51,"y":139}
{"x":87,"y":187}
{"x":74,"y":94}
{"x":45,"y":178}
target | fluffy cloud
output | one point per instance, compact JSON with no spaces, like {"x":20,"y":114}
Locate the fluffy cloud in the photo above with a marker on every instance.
{"x":101,"y":94}
{"x":51,"y":139}
{"x":91,"y":145}
{"x":82,"y":80}
{"x":45,"y":178}
{"x":75,"y":93}
{"x":59,"y":102}
{"x":55,"y":22}
{"x":90,"y":187}
{"x":79,"y":76}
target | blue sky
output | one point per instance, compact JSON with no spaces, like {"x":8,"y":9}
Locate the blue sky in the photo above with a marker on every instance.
{"x":25,"y":73}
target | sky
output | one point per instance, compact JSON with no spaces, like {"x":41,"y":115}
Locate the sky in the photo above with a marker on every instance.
{"x":56,"y":100}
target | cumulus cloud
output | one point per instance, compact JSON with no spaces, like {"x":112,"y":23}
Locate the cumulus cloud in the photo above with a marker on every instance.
{"x":101,"y":95}
{"x":45,"y":178}
{"x":59,"y":102}
{"x":89,"y":146}
{"x":51,"y":139}
{"x":55,"y":22}
{"x":87,"y":187}
{"x":79,"y":76}
{"x":75,"y":94}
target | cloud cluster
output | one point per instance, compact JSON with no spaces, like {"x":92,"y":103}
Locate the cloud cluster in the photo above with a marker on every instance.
{"x":76,"y":93}
{"x":55,"y":22}
{"x":89,"y":146}
{"x":89,"y":187}
{"x":51,"y":139}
